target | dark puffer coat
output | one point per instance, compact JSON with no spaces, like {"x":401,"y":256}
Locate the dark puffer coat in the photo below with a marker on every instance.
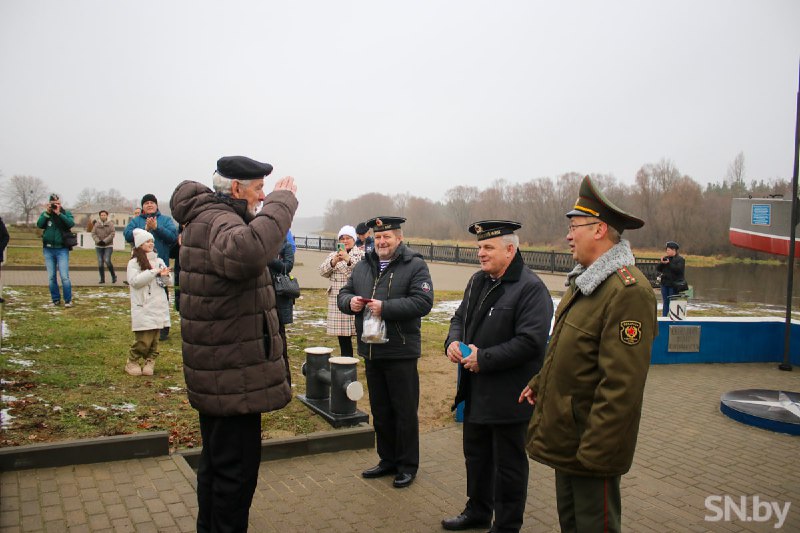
{"x":233,"y":358}
{"x":406,"y":290}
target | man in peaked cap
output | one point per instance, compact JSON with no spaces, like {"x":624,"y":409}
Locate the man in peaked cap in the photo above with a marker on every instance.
{"x":394,"y":283}
{"x":502,"y":325}
{"x":595,"y":368}
{"x":234,"y":360}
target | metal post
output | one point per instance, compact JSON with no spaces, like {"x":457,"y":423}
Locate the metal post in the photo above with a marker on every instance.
{"x":787,"y":362}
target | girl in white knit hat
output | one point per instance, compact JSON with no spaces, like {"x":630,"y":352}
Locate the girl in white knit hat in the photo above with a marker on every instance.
{"x":147,"y":277}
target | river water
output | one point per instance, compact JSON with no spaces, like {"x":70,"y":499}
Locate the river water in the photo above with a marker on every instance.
{"x":744,"y":283}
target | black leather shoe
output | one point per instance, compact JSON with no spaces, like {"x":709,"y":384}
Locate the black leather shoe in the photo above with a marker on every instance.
{"x":378,"y":471}
{"x":463,"y":521}
{"x":403,"y":480}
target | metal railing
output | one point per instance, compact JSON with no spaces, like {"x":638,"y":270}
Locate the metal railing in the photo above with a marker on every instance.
{"x":539,"y":261}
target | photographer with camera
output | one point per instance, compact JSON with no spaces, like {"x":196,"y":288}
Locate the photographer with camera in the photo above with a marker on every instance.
{"x":55,"y":221}
{"x":672,"y":268}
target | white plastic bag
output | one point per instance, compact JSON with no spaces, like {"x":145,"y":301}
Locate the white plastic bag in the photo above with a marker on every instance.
{"x":374,"y":331}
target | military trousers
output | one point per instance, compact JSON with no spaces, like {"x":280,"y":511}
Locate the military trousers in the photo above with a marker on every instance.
{"x":588,"y":504}
{"x":228,"y":471}
{"x":394,"y":402}
{"x":497,"y":473}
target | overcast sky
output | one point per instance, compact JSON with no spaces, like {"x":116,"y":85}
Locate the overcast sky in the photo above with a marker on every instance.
{"x":394,"y":97}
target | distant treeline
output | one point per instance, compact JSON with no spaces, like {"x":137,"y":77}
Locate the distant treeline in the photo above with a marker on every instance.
{"x":674,"y":207}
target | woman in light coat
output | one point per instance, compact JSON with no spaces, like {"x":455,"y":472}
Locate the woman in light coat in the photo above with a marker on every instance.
{"x":147,"y":277}
{"x":337,"y":267}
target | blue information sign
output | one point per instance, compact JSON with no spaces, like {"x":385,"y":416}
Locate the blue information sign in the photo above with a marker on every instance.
{"x":760,"y":215}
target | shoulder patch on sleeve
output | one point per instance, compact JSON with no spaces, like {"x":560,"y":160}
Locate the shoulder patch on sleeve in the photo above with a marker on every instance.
{"x":626,"y":276}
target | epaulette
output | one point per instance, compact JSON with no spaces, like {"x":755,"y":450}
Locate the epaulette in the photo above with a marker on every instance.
{"x":626,"y":276}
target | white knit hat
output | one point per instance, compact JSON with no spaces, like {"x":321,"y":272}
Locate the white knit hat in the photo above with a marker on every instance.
{"x":347,"y":230}
{"x":141,"y":236}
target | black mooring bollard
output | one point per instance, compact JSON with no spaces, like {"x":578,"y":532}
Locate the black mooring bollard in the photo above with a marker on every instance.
{"x":345,"y":388}
{"x":332,"y":387}
{"x":317,"y":372}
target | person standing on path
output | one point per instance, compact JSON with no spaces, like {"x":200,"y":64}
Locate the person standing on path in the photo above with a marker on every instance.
{"x":233,"y":359}
{"x":588,"y":396}
{"x":103,"y":232}
{"x":393,"y":285}
{"x":502,"y":323}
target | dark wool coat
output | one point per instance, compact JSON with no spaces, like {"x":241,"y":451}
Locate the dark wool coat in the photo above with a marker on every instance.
{"x":589,"y":391}
{"x":406,"y":290}
{"x":509,"y":325}
{"x":233,"y":358}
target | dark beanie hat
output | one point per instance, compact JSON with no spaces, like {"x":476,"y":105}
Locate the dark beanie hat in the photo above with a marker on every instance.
{"x":672,"y":244}
{"x":149,"y":198}
{"x":362,"y":228}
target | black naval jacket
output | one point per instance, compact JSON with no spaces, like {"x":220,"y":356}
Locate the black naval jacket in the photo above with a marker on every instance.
{"x":510,"y":328}
{"x":406,"y":290}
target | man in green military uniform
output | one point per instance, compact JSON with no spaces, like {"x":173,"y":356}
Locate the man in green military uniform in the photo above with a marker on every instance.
{"x":588,"y":396}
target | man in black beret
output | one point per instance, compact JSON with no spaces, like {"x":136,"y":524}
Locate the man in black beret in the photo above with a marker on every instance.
{"x":497,"y":337}
{"x":234,"y":360}
{"x":163,"y":229}
{"x":394,"y":284}
{"x":588,"y":396}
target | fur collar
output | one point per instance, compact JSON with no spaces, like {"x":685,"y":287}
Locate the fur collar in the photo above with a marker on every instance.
{"x":588,"y":279}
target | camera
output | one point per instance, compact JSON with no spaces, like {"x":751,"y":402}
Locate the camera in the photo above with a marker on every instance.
{"x":53,"y":206}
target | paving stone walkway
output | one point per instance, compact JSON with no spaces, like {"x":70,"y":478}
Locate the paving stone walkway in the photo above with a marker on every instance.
{"x":687,"y":452}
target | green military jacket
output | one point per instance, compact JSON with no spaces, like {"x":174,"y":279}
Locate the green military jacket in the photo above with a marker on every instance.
{"x":589,"y":391}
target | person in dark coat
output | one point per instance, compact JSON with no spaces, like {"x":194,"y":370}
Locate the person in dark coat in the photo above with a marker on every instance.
{"x":233,"y":359}
{"x":503,"y":321}
{"x":673,"y":275}
{"x":394,"y":283}
{"x":283,"y":264}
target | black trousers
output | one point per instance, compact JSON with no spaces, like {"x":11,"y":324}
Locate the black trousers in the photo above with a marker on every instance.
{"x":346,"y":345}
{"x":497,"y":473}
{"x":228,"y":471}
{"x":394,"y":401}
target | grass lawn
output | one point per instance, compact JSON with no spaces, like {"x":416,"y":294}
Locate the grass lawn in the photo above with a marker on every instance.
{"x":62,"y":371}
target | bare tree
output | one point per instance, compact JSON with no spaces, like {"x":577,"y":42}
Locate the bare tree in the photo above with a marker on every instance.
{"x":735,"y":175}
{"x":24,"y":195}
{"x":110,"y":199}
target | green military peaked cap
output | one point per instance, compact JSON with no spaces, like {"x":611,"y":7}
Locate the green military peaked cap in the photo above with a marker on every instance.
{"x":593,"y":203}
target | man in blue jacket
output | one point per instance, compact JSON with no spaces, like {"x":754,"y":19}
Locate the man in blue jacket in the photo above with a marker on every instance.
{"x":163,"y":228}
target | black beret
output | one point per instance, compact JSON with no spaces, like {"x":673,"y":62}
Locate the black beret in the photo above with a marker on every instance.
{"x":672,"y":244}
{"x":385,"y":223}
{"x":592,"y":203}
{"x":361,"y":229}
{"x":238,"y":167}
{"x":149,"y":198}
{"x":487,"y":229}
